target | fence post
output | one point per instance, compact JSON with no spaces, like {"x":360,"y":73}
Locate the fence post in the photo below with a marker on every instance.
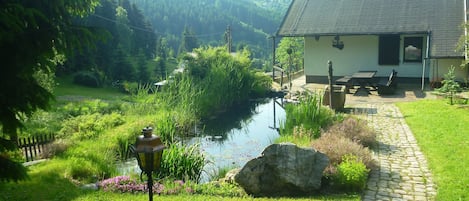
{"x":329,"y":63}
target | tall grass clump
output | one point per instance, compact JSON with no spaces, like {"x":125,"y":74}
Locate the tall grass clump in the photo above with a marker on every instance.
{"x":309,"y":114}
{"x":222,"y":80}
{"x":182,"y":162}
{"x":86,"y":164}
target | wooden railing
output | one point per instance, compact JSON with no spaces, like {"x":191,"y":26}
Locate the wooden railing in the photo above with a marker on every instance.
{"x":34,"y":147}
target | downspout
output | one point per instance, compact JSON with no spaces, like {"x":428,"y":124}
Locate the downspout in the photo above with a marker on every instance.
{"x":465,"y":36}
{"x":427,"y":54}
{"x":465,"y":29}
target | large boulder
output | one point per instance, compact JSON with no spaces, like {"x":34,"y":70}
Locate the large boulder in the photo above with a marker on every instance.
{"x":283,"y":170}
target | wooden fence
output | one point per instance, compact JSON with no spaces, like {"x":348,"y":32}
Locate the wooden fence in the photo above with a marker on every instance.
{"x":34,"y":147}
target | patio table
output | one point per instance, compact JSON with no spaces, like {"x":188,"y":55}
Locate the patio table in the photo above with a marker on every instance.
{"x":364,"y":78}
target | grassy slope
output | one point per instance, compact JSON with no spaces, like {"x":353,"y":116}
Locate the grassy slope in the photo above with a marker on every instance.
{"x":442,"y":134}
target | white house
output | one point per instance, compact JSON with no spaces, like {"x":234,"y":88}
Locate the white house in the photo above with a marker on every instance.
{"x":416,"y":38}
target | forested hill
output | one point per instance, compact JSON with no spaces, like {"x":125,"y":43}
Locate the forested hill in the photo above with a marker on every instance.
{"x":251,"y":21}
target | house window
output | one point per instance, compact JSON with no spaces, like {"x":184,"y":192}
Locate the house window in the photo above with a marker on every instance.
{"x":389,"y":50}
{"x":413,"y":49}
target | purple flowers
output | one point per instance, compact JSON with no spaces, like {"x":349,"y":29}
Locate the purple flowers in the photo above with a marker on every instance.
{"x":125,"y":184}
{"x":121,"y":184}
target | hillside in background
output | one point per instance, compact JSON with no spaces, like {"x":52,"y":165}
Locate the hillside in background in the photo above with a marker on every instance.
{"x":251,"y":21}
{"x":277,"y":6}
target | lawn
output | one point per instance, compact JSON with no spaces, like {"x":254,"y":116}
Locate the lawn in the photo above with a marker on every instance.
{"x":47,"y":183}
{"x":65,"y":87}
{"x":442,"y":133}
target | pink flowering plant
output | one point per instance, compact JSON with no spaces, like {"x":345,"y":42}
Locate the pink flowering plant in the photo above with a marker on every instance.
{"x":125,"y":184}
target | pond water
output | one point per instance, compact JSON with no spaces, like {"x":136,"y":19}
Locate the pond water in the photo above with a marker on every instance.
{"x":239,"y":135}
{"x":233,"y":138}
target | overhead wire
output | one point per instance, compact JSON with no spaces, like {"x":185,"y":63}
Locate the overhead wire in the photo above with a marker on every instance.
{"x":154,"y":31}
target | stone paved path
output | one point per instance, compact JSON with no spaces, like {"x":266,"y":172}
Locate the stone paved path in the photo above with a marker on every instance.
{"x":402,"y":172}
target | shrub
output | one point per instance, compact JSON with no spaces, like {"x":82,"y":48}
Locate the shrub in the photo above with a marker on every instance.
{"x":86,"y":78}
{"x":42,"y":122}
{"x":89,"y":126}
{"x":355,"y":130}
{"x":89,"y":107}
{"x":336,"y":147}
{"x":450,"y":86}
{"x":55,"y":148}
{"x":351,"y":174}
{"x":261,"y":85}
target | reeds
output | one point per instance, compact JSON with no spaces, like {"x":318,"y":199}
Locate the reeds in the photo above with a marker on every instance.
{"x":309,"y":114}
{"x":182,"y":162}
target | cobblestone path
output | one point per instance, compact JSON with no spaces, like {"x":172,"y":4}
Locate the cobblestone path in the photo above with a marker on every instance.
{"x":402,"y":172}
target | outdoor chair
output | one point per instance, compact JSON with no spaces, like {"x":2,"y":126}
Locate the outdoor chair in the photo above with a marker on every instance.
{"x":388,"y":86}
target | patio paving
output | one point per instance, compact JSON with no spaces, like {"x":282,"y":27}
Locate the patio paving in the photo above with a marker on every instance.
{"x":404,"y":92}
{"x":402,"y":172}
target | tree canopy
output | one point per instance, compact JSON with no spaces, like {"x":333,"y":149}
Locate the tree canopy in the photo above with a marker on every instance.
{"x":32,"y":34}
{"x":294,"y":47}
{"x":129,"y":45}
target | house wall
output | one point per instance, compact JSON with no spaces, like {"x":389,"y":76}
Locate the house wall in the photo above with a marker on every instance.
{"x":439,"y":67}
{"x":359,"y":53}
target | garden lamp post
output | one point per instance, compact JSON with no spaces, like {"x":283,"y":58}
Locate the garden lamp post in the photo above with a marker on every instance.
{"x":149,"y":151}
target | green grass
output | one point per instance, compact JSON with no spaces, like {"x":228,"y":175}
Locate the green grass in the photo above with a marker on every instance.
{"x":442,"y":133}
{"x":303,"y":141}
{"x":47,"y":182}
{"x":126,"y":197}
{"x":65,"y":87}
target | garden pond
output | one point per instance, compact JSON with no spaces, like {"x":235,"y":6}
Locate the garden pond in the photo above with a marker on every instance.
{"x":233,"y":138}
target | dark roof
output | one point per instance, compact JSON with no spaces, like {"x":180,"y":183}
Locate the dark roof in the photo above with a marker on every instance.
{"x":443,"y":19}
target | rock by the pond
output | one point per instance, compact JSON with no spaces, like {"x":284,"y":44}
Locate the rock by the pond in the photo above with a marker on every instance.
{"x":282,"y":170}
{"x":230,"y":176}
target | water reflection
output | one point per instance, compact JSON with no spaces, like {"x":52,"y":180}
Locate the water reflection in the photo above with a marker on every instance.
{"x":234,"y":138}
{"x":239,"y":135}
